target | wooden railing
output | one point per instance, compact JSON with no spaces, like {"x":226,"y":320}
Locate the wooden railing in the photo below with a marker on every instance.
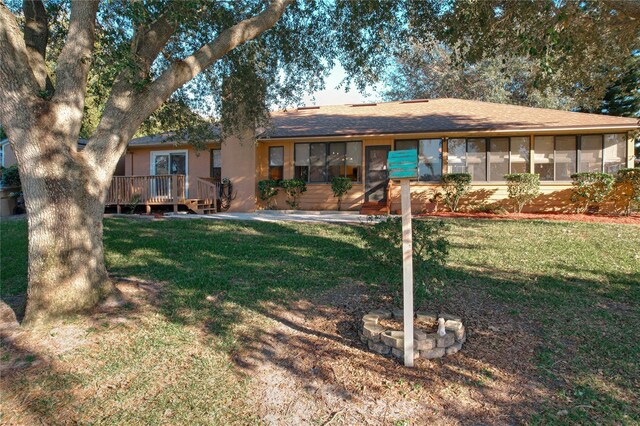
{"x":147,"y":190}
{"x":208,"y":190}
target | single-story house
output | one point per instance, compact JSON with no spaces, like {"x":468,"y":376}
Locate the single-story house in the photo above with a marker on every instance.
{"x":317,"y":143}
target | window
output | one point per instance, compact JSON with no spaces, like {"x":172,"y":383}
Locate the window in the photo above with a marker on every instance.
{"x":488,"y":159}
{"x":429,"y":157}
{"x":565,"y":157}
{"x":317,"y":162}
{"x":301,"y":163}
{"x":276,"y":162}
{"x":335,"y":160}
{"x":457,"y":155}
{"x":477,"y":159}
{"x":520,"y":154}
{"x":591,"y":153}
{"x":543,"y":157}
{"x":558,"y":157}
{"x":498,"y":158}
{"x":321,"y":162}
{"x":216,"y":164}
{"x":615,"y":152}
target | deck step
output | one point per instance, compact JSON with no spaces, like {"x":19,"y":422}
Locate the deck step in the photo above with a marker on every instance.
{"x":374,"y":208}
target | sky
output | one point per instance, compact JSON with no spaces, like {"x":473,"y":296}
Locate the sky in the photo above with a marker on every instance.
{"x":332,"y":96}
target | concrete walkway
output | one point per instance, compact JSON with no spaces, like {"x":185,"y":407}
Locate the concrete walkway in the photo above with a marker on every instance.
{"x":281,"y":216}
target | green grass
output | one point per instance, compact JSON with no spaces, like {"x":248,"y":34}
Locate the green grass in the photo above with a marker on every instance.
{"x":579,"y":281}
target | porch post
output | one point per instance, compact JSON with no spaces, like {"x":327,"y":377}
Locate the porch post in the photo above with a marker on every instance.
{"x":174,"y":192}
{"x":117,"y":185}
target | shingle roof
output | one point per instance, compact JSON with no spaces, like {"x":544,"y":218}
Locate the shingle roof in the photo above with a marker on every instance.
{"x":433,"y":115}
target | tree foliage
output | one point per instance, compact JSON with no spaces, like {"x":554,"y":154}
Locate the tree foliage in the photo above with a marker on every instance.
{"x":570,"y":49}
{"x":432,"y":72}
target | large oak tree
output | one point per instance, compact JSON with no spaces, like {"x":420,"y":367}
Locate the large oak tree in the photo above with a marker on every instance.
{"x":129,"y":57}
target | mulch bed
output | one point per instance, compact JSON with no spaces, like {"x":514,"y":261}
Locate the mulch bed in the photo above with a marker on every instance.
{"x":634,"y":219}
{"x":311,"y":368}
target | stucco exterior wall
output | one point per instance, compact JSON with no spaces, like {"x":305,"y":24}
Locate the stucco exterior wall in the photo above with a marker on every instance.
{"x":239,"y":165}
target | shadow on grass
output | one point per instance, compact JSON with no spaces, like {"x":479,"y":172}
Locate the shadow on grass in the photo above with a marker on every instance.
{"x":216,"y":271}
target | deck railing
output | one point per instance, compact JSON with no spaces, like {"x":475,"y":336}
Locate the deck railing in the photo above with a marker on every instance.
{"x":147,"y":190}
{"x":208,"y":190}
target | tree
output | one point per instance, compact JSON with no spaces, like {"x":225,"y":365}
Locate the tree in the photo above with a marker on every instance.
{"x":622,"y":97}
{"x":430,"y":71}
{"x":578,"y":48}
{"x":65,"y":189}
{"x":103,"y":68}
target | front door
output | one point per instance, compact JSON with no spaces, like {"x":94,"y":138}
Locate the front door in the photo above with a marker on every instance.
{"x":377,"y":175}
{"x":164,"y":164}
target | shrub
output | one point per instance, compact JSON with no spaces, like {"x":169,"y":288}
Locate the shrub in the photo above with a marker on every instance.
{"x":630,"y":180}
{"x":436,"y":198}
{"x":489,"y":208}
{"x":455,"y":186}
{"x":590,"y":188}
{"x":10,"y":176}
{"x":522,"y":188}
{"x":430,"y":251}
{"x":267,"y":190}
{"x":340,"y":186}
{"x":294,"y":188}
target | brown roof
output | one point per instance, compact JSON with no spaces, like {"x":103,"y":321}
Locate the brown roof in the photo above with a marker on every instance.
{"x":426,"y":116}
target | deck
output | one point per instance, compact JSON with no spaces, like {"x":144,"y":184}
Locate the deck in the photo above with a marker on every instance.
{"x":131,"y":191}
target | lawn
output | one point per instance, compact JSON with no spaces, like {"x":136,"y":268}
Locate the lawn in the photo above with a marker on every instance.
{"x":572,"y":290}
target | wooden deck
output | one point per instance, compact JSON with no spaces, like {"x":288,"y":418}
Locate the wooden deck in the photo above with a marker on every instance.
{"x":131,"y":191}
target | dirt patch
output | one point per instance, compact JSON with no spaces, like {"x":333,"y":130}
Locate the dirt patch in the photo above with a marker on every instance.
{"x":312,"y":368}
{"x":571,"y":217}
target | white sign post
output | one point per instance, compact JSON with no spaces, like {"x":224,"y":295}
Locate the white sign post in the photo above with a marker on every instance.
{"x":403,"y":165}
{"x":407,"y":271}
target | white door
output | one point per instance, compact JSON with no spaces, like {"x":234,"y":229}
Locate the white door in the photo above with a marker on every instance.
{"x":164,"y":163}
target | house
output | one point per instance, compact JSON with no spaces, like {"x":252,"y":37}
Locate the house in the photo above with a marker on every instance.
{"x":484,"y":139}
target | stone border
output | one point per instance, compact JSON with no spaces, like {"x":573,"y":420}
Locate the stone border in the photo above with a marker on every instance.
{"x":386,"y":341}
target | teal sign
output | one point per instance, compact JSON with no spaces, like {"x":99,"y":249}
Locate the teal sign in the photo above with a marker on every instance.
{"x":403,"y":164}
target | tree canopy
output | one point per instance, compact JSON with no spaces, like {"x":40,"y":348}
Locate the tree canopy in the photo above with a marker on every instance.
{"x":541,"y":53}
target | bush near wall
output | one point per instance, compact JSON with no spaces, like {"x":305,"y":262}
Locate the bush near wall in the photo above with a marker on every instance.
{"x":590,"y":188}
{"x":522,"y":188}
{"x":340,"y":186}
{"x":629,"y":182}
{"x":294,"y":188}
{"x":267,"y":190}
{"x":454,"y":187}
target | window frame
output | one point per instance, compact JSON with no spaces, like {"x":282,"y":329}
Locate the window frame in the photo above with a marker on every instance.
{"x":269,"y":166}
{"x":327,"y":154}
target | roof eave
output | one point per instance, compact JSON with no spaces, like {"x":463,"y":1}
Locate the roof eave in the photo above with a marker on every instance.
{"x":453,"y":133}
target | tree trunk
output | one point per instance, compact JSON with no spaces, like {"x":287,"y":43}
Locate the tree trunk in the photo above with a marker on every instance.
{"x":65,"y":205}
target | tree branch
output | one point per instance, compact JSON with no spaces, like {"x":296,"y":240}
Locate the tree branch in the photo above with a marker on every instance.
{"x":180,"y":72}
{"x":73,"y":66}
{"x":149,"y":40}
{"x":17,"y":81}
{"x":126,"y":110}
{"x":36,"y":35}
